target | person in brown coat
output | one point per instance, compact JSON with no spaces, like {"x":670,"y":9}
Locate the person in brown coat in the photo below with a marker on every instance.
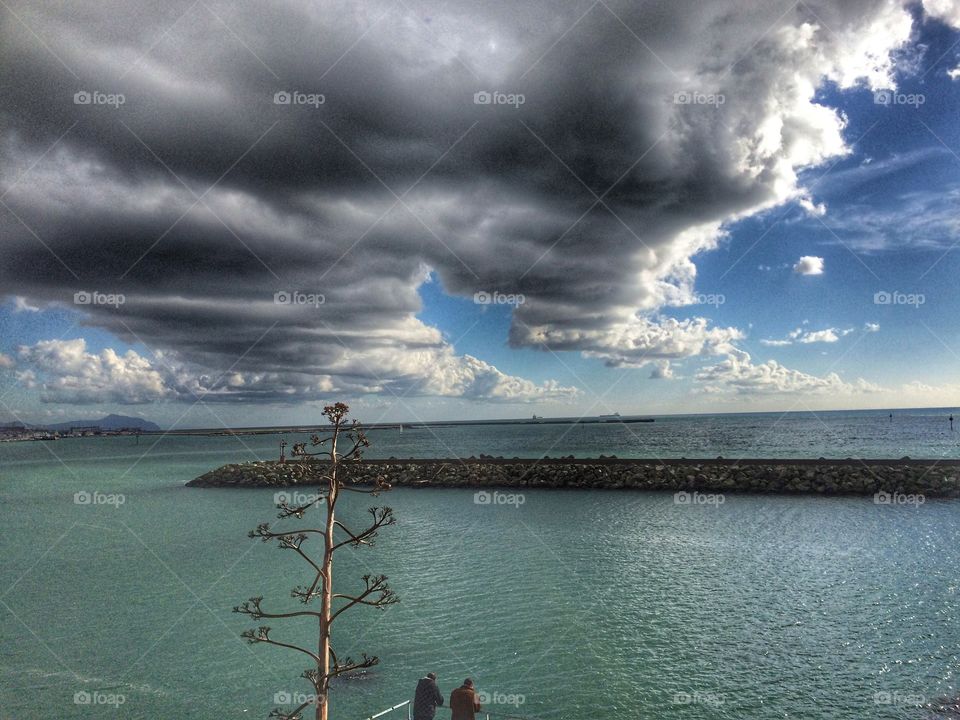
{"x":464,"y":702}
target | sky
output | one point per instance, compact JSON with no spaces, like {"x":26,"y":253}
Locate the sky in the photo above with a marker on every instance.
{"x":219,"y":213}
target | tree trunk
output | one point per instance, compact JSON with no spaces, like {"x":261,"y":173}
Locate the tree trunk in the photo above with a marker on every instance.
{"x":325,"y":607}
{"x":326,"y":601}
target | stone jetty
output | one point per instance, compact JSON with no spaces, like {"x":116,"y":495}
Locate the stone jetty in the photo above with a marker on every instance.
{"x":929,"y":478}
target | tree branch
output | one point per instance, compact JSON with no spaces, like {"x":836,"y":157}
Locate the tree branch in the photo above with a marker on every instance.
{"x":264,"y":533}
{"x":253,"y":609}
{"x":293,"y":715}
{"x":262,"y":635}
{"x":350,"y":665}
{"x":297,"y":511}
{"x":382,"y":517}
{"x":373,"y":585}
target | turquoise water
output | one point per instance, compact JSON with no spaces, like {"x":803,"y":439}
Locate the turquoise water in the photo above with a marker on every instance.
{"x":589,"y":605}
{"x":918,"y":434}
{"x":860,"y":434}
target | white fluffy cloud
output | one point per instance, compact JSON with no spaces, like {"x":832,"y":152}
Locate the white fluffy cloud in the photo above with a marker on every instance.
{"x":830,"y":335}
{"x":66,"y":372}
{"x":946,"y":10}
{"x":21,"y":304}
{"x":637,"y":342}
{"x":662,"y":370}
{"x":472,"y":378}
{"x":772,"y":342}
{"x":738,"y":374}
{"x":809,"y":265}
{"x":803,"y":336}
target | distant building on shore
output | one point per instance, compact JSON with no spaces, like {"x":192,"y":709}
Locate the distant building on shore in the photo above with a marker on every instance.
{"x":84,"y":430}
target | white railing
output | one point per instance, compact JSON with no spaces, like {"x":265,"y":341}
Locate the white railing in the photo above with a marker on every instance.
{"x":485,"y":714}
{"x":405,"y":703}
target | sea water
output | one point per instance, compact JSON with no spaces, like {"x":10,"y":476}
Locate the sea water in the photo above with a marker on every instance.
{"x":117,"y":585}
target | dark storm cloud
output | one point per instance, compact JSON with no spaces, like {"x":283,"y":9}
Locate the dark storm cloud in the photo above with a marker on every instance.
{"x":199,"y":197}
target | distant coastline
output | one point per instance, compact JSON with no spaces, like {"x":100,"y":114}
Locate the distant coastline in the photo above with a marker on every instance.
{"x":107,"y":425}
{"x":20,"y":432}
{"x":599,"y":420}
{"x":123,"y":425}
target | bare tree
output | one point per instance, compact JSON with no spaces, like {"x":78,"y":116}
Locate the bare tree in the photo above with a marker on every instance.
{"x":325,"y":664}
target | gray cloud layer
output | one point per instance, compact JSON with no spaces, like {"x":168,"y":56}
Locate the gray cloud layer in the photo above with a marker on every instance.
{"x":199,"y":197}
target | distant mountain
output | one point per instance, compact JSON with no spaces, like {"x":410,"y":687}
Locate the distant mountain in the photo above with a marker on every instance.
{"x":110,"y":422}
{"x":16,"y":425}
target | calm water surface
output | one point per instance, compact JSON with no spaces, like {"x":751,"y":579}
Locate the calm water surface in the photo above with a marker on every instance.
{"x":589,"y":605}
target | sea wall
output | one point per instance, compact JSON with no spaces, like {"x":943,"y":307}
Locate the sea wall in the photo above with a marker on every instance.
{"x":825,"y":477}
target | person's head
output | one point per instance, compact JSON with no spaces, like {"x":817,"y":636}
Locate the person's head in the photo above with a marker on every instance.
{"x":432,"y":675}
{"x":468,"y":683}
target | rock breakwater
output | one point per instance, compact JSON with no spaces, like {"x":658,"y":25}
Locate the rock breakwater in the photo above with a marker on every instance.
{"x":823,"y":477}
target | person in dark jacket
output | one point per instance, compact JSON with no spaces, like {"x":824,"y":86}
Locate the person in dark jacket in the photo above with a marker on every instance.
{"x":427,"y":699}
{"x":464,"y":702}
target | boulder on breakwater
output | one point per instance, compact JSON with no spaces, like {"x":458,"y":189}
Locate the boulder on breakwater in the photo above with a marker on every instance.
{"x":821,"y":477}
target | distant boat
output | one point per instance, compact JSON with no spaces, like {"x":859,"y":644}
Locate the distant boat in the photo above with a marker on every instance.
{"x":610,"y":418}
{"x":537,"y":418}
